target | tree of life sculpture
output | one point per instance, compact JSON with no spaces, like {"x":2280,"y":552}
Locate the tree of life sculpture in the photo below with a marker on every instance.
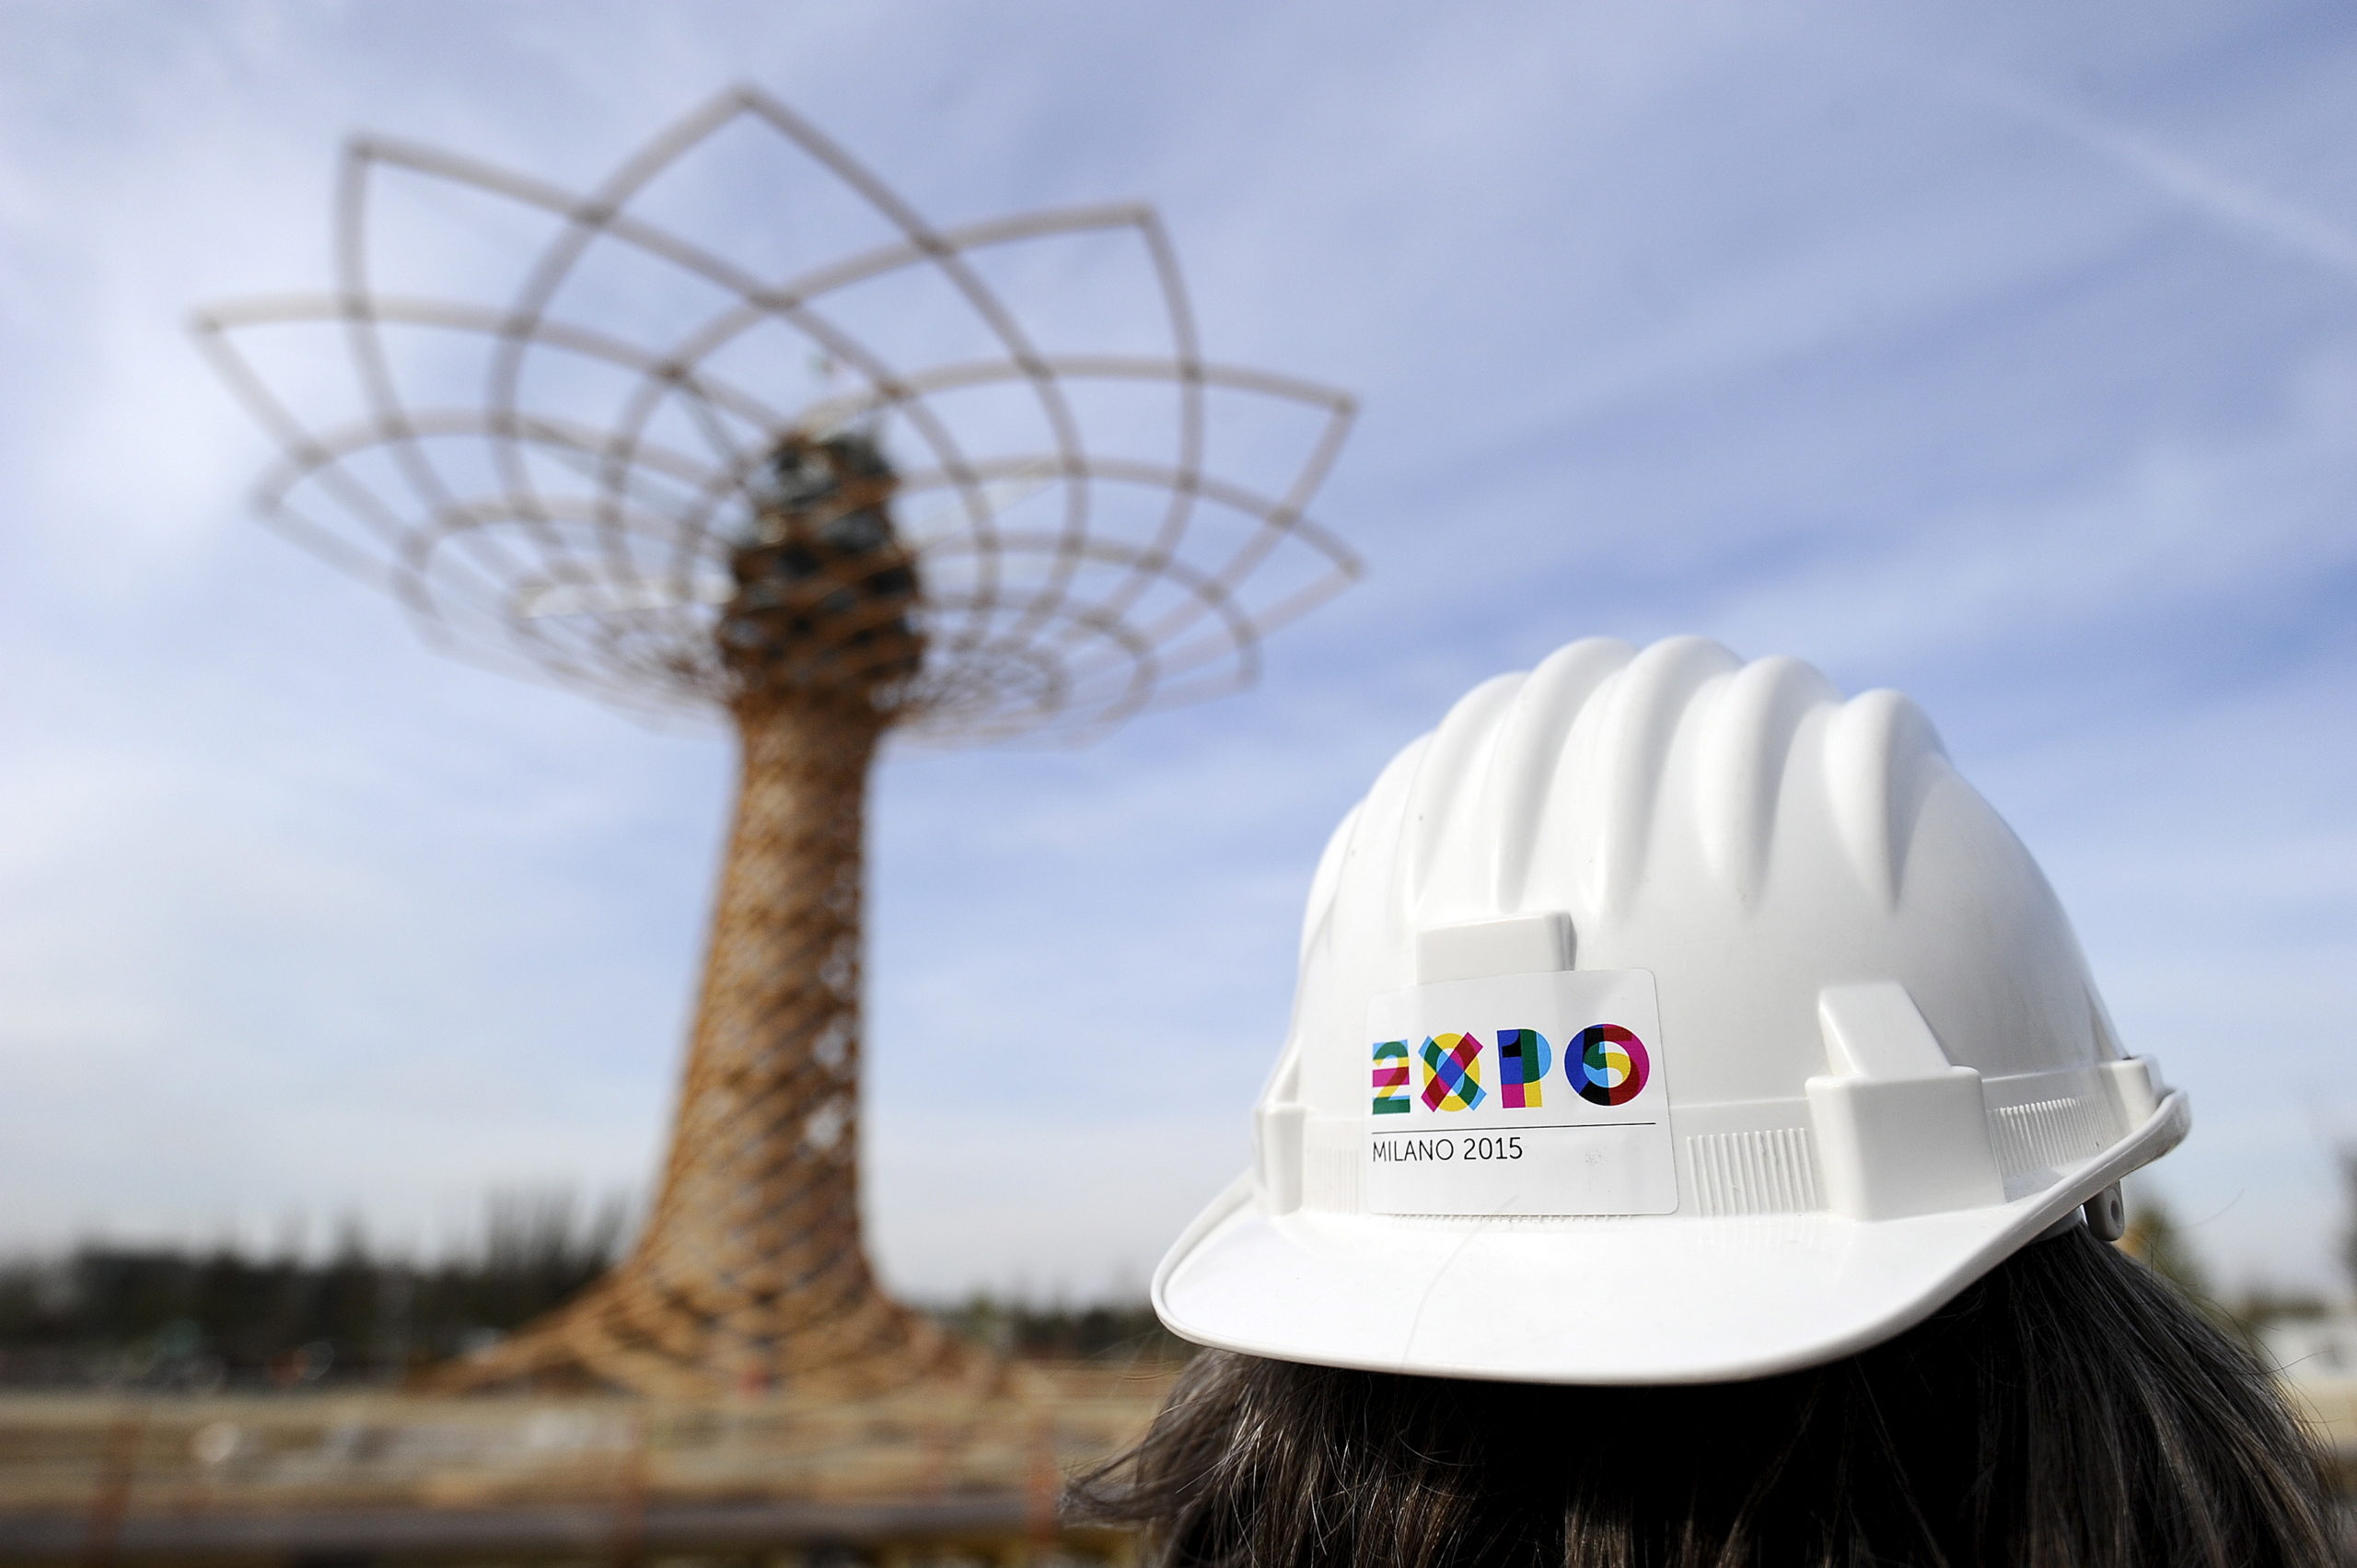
{"x":857,"y":496}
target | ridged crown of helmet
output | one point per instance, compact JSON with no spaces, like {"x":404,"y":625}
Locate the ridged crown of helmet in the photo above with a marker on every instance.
{"x":1739,"y":830}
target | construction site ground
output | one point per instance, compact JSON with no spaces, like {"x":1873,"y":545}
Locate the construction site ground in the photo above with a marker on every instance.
{"x":335,"y":1480}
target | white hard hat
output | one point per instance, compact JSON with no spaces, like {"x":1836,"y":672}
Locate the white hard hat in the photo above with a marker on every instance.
{"x":1662,"y":1019}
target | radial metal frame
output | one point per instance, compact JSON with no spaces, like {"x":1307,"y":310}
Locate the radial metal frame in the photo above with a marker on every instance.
{"x":1005,"y":656}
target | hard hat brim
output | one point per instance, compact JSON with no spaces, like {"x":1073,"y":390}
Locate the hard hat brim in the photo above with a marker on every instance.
{"x":1639,"y":1300}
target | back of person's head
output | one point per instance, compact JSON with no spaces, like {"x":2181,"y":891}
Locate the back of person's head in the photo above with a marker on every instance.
{"x":2068,"y":1411}
{"x":1697,"y":1142}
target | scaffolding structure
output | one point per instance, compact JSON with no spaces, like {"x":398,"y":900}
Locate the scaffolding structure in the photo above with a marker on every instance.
{"x":657,"y":471}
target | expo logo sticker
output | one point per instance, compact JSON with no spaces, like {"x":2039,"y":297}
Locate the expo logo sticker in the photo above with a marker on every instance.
{"x":1551,"y":1102}
{"x":1606,"y":1064}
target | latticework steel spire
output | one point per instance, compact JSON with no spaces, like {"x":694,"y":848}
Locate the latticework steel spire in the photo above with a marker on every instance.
{"x":659,"y":471}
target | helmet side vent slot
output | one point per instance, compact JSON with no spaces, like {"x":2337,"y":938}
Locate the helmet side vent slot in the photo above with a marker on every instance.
{"x":2049,"y":1136}
{"x":1771,"y":1171}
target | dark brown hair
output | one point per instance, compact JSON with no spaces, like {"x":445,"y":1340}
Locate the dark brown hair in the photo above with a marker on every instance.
{"x":2068,"y":1410}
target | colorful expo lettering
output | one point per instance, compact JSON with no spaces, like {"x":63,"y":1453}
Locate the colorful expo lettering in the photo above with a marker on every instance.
{"x":1604,"y":1064}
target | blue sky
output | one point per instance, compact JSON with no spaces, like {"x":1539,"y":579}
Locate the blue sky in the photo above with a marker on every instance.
{"x":2005,"y":354}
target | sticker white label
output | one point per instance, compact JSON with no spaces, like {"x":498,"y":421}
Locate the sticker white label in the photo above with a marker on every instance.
{"x":1522,"y":1094}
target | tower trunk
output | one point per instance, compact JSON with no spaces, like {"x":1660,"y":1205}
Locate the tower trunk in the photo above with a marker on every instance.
{"x":750,"y":1274}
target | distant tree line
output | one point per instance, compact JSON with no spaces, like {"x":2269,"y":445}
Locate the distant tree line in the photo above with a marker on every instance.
{"x":199,"y":1319}
{"x":205,"y":1317}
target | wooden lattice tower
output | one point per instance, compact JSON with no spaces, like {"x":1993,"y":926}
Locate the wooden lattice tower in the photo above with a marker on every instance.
{"x":648,"y":519}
